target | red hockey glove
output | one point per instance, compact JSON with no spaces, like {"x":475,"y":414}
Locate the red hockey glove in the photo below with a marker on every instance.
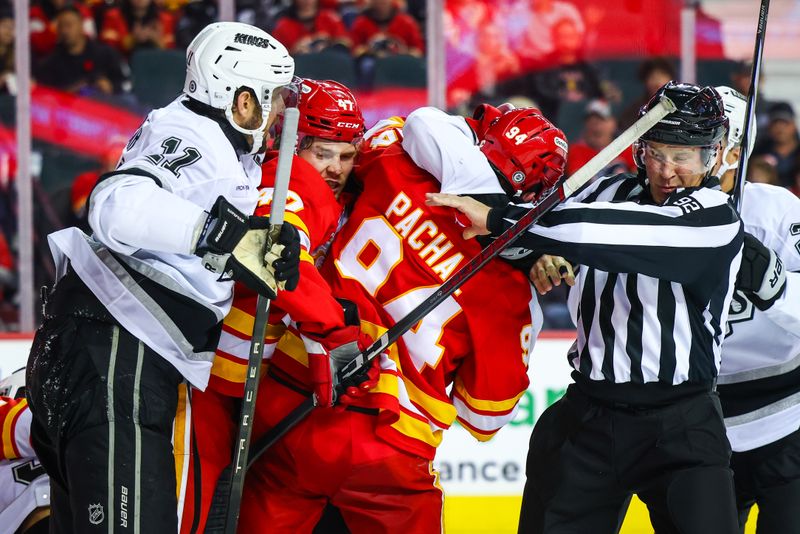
{"x":362,"y":383}
{"x":324,"y":365}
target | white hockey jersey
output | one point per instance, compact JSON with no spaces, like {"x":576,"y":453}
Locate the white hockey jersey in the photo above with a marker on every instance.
{"x":178,"y":163}
{"x":24,"y":486}
{"x":758,"y":379}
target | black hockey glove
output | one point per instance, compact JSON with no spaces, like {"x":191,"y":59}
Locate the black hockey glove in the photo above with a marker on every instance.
{"x":762,"y":276}
{"x":234,"y":245}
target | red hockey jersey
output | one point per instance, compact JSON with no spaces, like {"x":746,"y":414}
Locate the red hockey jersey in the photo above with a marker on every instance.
{"x":15,"y":429}
{"x":392,"y":253}
{"x":312,"y":208}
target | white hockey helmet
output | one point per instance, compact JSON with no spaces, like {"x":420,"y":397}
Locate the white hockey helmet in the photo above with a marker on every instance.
{"x":735,"y":109}
{"x":225,"y":56}
{"x":13,"y":386}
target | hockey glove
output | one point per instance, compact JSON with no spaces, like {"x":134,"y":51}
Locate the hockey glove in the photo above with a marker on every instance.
{"x":234,"y":246}
{"x":358,"y":385}
{"x":324,"y":364}
{"x":762,"y":276}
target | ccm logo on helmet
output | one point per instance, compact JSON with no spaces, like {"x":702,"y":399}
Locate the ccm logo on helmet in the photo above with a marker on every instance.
{"x":252,"y":40}
{"x":347,"y":125}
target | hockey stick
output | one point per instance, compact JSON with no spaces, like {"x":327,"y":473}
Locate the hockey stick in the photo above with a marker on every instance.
{"x":556,"y":196}
{"x":750,"y":110}
{"x":242,"y":443}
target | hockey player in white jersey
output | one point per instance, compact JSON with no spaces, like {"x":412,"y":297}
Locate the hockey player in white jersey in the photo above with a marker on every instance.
{"x":24,"y":486}
{"x":759,"y":378}
{"x":138,"y":305}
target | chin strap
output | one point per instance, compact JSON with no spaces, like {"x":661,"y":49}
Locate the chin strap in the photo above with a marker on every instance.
{"x":725,"y":166}
{"x":257,"y":134}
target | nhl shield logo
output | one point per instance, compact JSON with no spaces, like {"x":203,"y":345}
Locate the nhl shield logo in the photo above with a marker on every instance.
{"x":96,"y":514}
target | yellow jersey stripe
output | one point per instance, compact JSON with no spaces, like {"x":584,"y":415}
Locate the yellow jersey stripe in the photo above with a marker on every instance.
{"x":241,"y":321}
{"x":413,"y":427}
{"x":440,"y":410}
{"x":8,"y":428}
{"x":181,"y":456}
{"x":297,"y":221}
{"x":485,"y":405}
{"x":291,"y":345}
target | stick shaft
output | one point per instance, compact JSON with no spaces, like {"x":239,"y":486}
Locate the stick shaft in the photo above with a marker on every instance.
{"x":750,"y":110}
{"x":253,"y":378}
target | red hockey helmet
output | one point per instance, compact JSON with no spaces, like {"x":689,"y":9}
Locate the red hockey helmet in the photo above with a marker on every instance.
{"x":527,"y":151}
{"x":329,"y":110}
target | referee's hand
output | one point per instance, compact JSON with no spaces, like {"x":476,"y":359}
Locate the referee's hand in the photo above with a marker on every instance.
{"x":475,"y":211}
{"x":548,"y":271}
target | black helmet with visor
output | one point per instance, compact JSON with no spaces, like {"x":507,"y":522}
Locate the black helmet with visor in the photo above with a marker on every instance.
{"x":699,"y":121}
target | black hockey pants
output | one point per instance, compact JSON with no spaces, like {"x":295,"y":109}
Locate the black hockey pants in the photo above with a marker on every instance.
{"x":103,"y":405}
{"x":769,"y":476}
{"x":586,"y":459}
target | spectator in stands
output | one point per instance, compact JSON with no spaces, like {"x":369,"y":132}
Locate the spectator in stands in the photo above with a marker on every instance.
{"x":137,"y":24}
{"x":194,"y":17}
{"x":43,"y":24}
{"x":383,"y":29}
{"x":568,"y":77}
{"x":540,"y":37}
{"x":83,"y":184}
{"x":79,"y":64}
{"x":781,"y":145}
{"x":599,"y":129}
{"x":741,"y":82}
{"x":478,"y":50}
{"x":8,"y":279}
{"x":653,"y":74}
{"x":8,"y":84}
{"x":760,"y":171}
{"x":305,"y":28}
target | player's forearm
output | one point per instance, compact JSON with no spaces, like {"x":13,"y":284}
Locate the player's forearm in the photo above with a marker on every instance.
{"x":444,"y":146}
{"x":627,"y":238}
{"x":135,"y":213}
{"x":311,"y":305}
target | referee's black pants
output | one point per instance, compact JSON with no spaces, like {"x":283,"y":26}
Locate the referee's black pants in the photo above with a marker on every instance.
{"x":103,"y":405}
{"x":587,"y":458}
{"x":769,"y":476}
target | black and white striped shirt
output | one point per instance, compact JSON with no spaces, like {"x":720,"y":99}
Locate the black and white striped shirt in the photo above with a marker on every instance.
{"x":653,"y":288}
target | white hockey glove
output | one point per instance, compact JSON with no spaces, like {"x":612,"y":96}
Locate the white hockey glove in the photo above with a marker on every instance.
{"x":234,"y":246}
{"x":762,"y":276}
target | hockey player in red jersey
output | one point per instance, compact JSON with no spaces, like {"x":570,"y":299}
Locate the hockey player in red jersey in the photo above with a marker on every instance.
{"x":373,"y":459}
{"x":24,"y":485}
{"x":330,"y":126}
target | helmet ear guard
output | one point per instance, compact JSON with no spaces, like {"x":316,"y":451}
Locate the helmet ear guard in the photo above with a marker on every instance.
{"x":735,"y":109}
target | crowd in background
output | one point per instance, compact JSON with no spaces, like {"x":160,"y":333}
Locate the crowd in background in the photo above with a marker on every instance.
{"x":84,"y":47}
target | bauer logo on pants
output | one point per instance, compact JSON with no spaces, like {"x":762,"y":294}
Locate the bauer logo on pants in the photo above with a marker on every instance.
{"x":96,"y":514}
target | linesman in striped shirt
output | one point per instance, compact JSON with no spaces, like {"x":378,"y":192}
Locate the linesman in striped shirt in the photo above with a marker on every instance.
{"x":657,"y":258}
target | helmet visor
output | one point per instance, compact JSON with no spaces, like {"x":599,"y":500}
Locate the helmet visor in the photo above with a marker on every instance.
{"x":683,"y":160}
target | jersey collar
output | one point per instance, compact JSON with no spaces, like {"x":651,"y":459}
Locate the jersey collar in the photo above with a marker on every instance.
{"x":237,"y":139}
